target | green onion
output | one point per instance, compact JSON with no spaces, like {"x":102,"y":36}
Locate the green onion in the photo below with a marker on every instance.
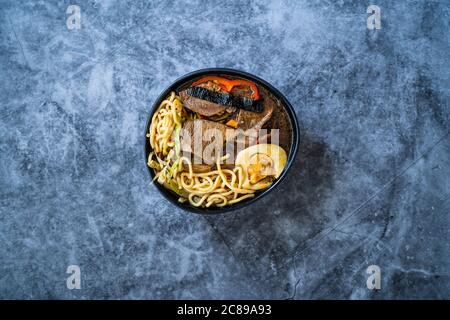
{"x":172,"y":169}
{"x":173,"y":185}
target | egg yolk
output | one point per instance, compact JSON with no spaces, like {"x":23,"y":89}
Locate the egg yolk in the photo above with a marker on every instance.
{"x":261,"y":166}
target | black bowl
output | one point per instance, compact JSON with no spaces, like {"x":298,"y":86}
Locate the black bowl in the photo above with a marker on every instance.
{"x":172,"y":196}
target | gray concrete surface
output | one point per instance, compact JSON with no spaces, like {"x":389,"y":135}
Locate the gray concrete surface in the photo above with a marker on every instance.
{"x":370,"y":185}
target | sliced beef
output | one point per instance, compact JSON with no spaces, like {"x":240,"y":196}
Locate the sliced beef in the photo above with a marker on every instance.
{"x":242,"y":91}
{"x":225,"y":99}
{"x":280,"y":120}
{"x":252,"y":122}
{"x":203,"y":107}
{"x":246,"y":133}
{"x":203,"y":141}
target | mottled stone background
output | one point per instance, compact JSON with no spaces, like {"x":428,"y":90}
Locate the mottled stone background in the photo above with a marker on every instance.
{"x":370,"y":185}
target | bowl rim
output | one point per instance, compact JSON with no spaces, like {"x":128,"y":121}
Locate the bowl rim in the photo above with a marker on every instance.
{"x":170,"y":195}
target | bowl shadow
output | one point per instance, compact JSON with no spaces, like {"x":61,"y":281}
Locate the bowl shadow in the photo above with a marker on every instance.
{"x":263,"y":235}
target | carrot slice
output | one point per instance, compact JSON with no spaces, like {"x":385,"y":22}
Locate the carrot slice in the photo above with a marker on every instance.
{"x":232,"y":123}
